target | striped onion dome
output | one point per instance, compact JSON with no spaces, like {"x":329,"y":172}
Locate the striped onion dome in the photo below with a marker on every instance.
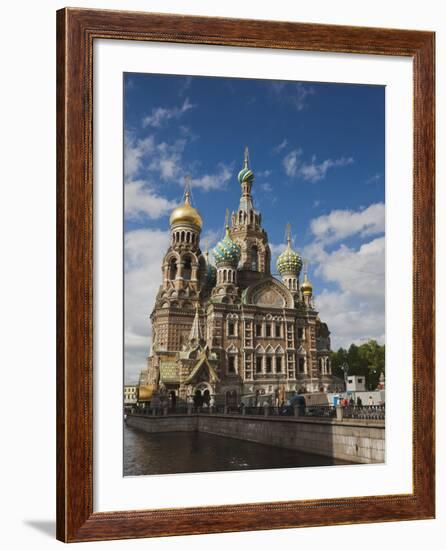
{"x":227,"y":251}
{"x":289,"y":262}
{"x":245,"y":173}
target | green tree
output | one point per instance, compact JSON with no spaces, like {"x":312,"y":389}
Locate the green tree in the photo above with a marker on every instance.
{"x":367,"y":360}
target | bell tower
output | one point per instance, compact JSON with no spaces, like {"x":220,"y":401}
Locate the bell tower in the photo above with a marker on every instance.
{"x":183,"y":263}
{"x":247,"y":229}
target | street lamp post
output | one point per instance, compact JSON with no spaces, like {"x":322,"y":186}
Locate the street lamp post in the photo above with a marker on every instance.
{"x":344,"y":367}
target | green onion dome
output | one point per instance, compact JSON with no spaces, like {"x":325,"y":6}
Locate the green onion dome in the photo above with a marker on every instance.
{"x":227,"y":251}
{"x":289,"y":262}
{"x":245,"y":174}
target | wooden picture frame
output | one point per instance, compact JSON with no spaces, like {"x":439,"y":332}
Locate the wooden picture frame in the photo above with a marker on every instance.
{"x":77,"y":29}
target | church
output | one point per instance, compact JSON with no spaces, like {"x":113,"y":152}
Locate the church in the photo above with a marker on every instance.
{"x":228,"y":331}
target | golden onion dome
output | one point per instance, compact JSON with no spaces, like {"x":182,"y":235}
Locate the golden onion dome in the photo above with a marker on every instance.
{"x":186,"y":213}
{"x":306,"y":286}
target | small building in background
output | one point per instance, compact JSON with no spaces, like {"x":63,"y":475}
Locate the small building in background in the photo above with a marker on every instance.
{"x":130,"y":395}
{"x":355,"y":383}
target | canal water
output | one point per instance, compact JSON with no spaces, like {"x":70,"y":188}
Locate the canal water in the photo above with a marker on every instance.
{"x":187,"y":452}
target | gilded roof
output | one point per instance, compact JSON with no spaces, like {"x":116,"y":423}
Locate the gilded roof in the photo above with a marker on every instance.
{"x":185,"y":213}
{"x":169,"y":371}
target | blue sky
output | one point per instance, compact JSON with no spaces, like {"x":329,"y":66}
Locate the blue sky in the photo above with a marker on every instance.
{"x":317,"y":152}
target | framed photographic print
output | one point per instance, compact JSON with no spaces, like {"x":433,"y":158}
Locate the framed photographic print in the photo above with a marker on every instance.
{"x":245,"y":275}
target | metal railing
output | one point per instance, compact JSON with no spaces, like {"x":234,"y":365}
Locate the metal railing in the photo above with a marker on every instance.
{"x":366,"y":412}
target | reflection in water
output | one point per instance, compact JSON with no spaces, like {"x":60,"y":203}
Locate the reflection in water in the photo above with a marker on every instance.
{"x":181,"y":452}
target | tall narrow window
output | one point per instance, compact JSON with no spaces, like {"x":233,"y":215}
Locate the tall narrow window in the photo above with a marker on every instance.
{"x":254,"y":258}
{"x":278,"y":364}
{"x":231,"y":328}
{"x":277,"y":330}
{"x":301,"y":364}
{"x":187,"y":269}
{"x":258,"y":329}
{"x":300,"y":333}
{"x":258,"y":364}
{"x":269,"y":364}
{"x":268,"y":330}
{"x":231,"y":364}
{"x":172,"y":269}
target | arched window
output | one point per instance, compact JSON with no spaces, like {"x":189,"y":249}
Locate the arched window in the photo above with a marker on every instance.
{"x":254,"y":258}
{"x":187,"y":269}
{"x":172,"y":269}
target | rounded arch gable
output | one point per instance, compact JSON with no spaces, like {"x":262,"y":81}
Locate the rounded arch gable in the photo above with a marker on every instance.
{"x":269,"y":293}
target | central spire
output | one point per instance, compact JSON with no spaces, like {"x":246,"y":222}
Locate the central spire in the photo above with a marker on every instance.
{"x":195,"y":335}
{"x":246,"y":161}
{"x":187,"y":189}
{"x":288,"y":234}
{"x":246,"y":179}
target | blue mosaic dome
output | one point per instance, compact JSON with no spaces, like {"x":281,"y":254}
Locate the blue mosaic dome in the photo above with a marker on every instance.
{"x":289,"y":262}
{"x":227,"y":251}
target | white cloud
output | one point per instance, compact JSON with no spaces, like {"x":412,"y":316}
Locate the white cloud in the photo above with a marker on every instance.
{"x":339,"y":224}
{"x":264,"y":173}
{"x":140,"y":200}
{"x":185,"y":86}
{"x":144,"y":250}
{"x":135,"y":150}
{"x":291,"y":162}
{"x":215,"y":181}
{"x":300,"y":94}
{"x":167,"y":160}
{"x":312,"y":171}
{"x":295,"y":93}
{"x":281,"y":146}
{"x":374,"y":179}
{"x":160,"y":115}
{"x":355,"y":308}
{"x":267,"y":187}
{"x":349,"y":320}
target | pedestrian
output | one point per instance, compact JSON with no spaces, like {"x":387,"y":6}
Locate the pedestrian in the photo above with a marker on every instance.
{"x":359,"y":402}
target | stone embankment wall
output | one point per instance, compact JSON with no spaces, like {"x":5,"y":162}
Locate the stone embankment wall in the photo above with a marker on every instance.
{"x":359,"y":441}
